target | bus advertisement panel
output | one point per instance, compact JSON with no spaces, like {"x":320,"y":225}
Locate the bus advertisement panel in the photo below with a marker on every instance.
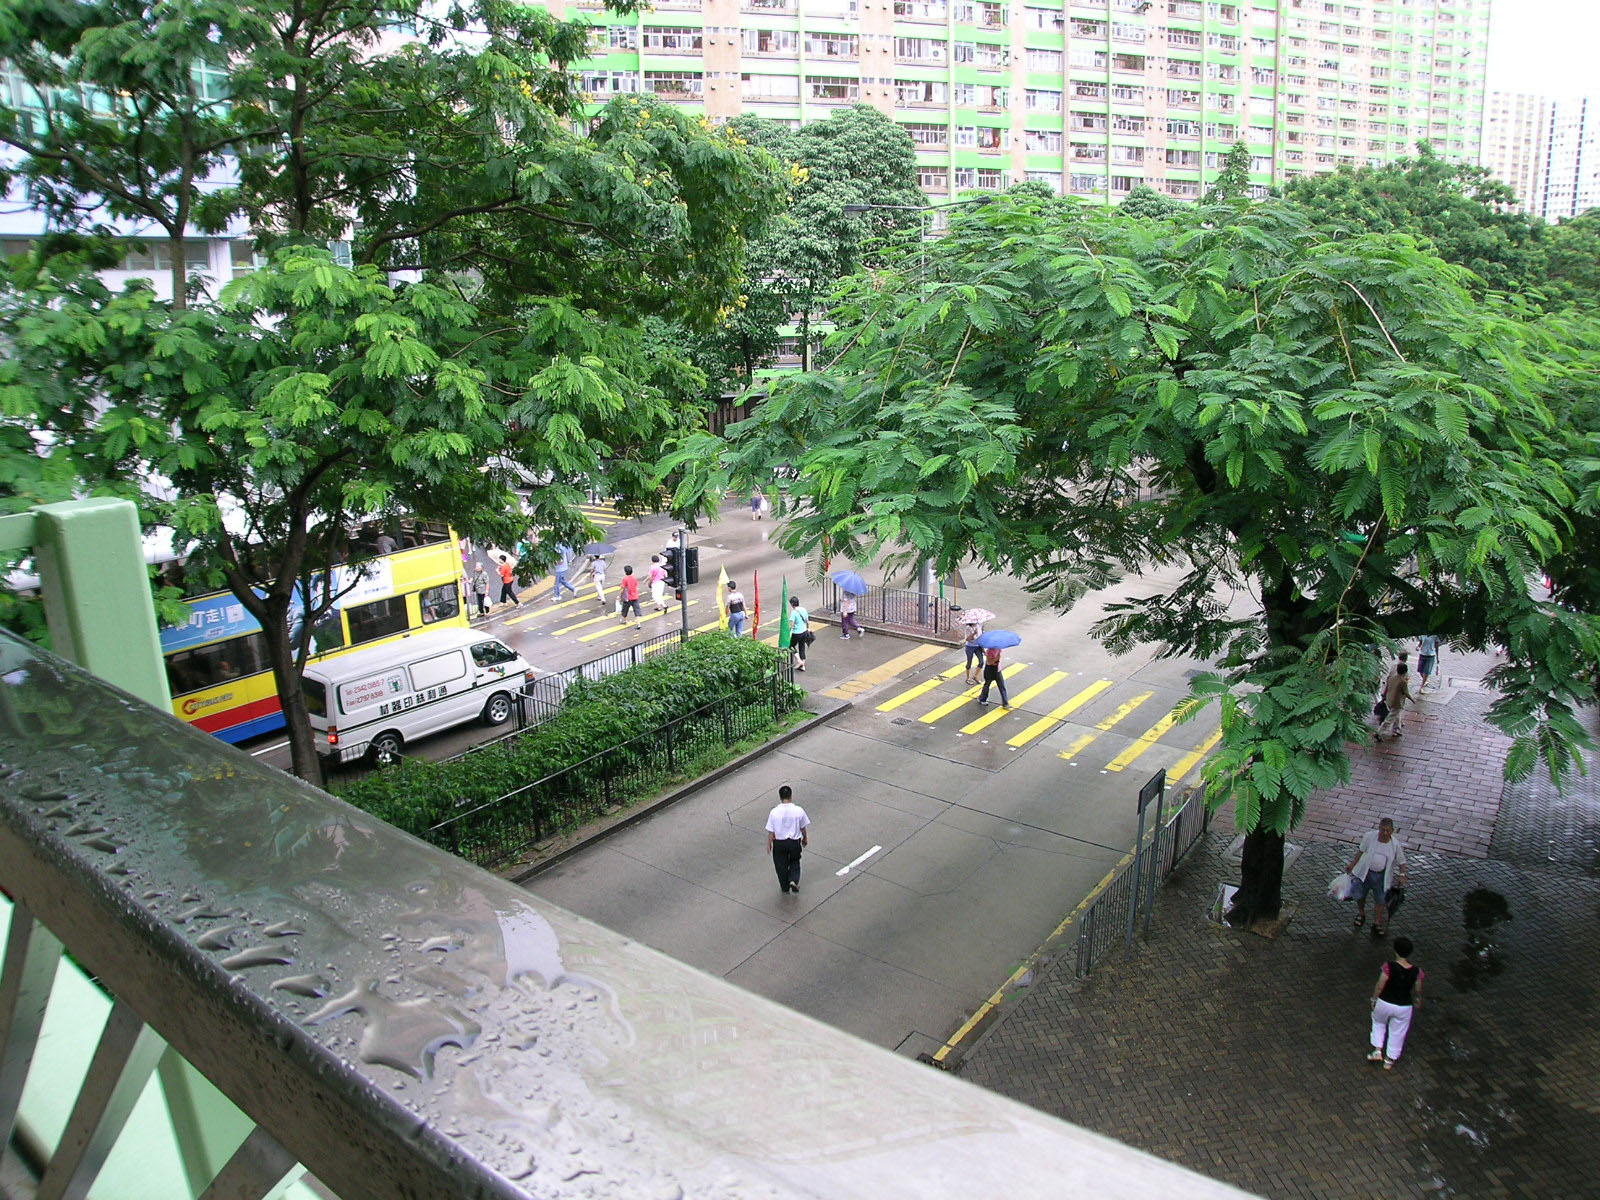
{"x":217,"y":662}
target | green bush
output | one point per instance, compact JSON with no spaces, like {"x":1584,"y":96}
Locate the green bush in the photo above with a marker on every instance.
{"x":596,"y":718}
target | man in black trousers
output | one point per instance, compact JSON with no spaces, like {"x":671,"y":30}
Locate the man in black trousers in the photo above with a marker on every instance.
{"x":786,"y":837}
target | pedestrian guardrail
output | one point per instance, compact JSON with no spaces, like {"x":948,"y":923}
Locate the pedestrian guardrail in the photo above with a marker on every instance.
{"x":1109,"y":917}
{"x":541,"y":699}
{"x":899,"y":608}
{"x":499,"y":830}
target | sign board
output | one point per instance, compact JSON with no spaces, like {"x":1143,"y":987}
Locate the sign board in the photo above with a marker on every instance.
{"x":1154,"y":789}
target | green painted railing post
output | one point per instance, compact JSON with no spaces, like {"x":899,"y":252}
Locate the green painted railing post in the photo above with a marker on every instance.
{"x":90,"y":556}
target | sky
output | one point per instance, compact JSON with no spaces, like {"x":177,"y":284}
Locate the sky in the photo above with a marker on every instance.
{"x":1547,"y":47}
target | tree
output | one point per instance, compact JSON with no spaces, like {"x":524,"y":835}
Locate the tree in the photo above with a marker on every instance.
{"x":1467,"y":215}
{"x":1233,"y":183}
{"x":1145,"y":201}
{"x":310,"y":395}
{"x":1333,"y":427}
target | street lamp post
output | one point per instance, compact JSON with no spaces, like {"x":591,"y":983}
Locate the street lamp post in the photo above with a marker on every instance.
{"x":925,"y":568}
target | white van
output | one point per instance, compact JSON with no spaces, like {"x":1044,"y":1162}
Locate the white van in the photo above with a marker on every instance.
{"x":374,"y":701}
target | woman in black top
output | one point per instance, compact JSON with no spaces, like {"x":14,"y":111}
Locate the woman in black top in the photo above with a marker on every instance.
{"x":1395,"y":997}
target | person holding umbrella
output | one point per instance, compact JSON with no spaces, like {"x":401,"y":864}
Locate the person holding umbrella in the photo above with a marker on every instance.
{"x":850,"y":585}
{"x":972,"y":620}
{"x":993,"y":643}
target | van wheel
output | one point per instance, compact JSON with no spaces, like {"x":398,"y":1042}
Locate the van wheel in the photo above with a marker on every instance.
{"x":498,"y":710}
{"x":386,"y":749}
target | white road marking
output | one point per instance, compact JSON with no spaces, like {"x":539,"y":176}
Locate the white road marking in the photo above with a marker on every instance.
{"x":267,"y":750}
{"x":845,"y":870}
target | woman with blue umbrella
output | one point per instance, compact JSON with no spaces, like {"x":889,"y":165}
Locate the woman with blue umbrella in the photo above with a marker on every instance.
{"x":993,"y":642}
{"x":851,"y":585}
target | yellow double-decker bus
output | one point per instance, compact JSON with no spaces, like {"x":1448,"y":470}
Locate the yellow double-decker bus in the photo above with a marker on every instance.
{"x":217,"y":663}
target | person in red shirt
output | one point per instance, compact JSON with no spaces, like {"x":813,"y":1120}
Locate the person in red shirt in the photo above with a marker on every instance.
{"x":630,"y":595}
{"x":992,"y":674}
{"x":508,"y":592}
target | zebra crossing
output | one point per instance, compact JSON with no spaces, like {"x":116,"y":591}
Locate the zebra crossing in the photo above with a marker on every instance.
{"x":1101,"y":706}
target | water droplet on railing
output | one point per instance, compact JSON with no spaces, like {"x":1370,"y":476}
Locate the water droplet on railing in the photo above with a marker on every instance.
{"x":313,"y":987}
{"x":403,"y":1034}
{"x":109,"y":845}
{"x":257,"y":956}
{"x":220,"y":938}
{"x":282,"y":929}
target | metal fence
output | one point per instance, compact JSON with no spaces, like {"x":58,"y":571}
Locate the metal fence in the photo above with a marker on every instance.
{"x":541,"y":699}
{"x":900,"y":608}
{"x":1109,"y":918}
{"x":498,"y":830}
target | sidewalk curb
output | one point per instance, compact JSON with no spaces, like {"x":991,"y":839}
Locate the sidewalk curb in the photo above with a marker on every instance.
{"x":832,"y":709}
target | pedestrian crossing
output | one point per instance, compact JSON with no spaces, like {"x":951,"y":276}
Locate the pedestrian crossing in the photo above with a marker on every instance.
{"x":603,"y":513}
{"x":1112,"y":708}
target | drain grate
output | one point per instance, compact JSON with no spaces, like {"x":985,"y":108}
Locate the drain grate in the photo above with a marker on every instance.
{"x":901,"y":721}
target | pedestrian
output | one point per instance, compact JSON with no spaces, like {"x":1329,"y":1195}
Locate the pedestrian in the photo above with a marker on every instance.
{"x":1396,"y":691}
{"x":562,"y":567}
{"x":736,"y":617}
{"x":847,"y":617}
{"x":480,"y":589}
{"x":786,"y":838}
{"x":658,"y":583}
{"x":1395,"y":999}
{"x":1427,"y":660}
{"x":756,"y":501}
{"x":630,"y":595}
{"x":508,"y":591}
{"x":974,"y":651}
{"x":1379,"y":865}
{"x":993,"y":674}
{"x":800,"y":635}
{"x":597,"y":572}
{"x":386,"y":543}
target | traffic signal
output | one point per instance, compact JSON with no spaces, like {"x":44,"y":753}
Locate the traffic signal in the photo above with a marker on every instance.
{"x":674,"y":565}
{"x":691,"y":565}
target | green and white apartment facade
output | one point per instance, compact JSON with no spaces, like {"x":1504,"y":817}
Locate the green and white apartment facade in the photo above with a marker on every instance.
{"x":1092,"y":97}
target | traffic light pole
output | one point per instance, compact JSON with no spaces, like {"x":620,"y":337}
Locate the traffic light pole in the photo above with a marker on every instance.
{"x":683,"y":581}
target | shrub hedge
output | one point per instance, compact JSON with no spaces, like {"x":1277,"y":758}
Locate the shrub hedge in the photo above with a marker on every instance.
{"x":595,"y":715}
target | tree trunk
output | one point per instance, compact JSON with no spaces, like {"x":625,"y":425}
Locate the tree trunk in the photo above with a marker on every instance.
{"x":1260,"y":893}
{"x":302,"y":742}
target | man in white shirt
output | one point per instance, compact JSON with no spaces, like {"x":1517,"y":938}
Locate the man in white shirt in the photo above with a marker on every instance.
{"x":786,"y":837}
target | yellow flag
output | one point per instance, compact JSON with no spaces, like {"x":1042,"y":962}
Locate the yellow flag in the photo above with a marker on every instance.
{"x":722,"y":594}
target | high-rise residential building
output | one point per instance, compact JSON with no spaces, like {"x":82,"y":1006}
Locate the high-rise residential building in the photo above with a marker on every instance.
{"x":1092,"y":98}
{"x":1572,"y":161}
{"x":1516,"y":133}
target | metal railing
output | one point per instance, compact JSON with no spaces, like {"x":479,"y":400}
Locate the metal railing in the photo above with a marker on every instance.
{"x":1108,"y":918}
{"x":898,"y":608}
{"x":499,"y":830}
{"x":541,"y":699}
{"x":401,"y":1023}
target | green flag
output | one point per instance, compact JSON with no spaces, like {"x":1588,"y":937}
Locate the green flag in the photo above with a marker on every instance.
{"x":783,"y":617}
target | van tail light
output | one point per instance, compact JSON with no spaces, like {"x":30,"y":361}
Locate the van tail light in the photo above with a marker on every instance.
{"x":333,"y":736}
{"x":529,"y":676}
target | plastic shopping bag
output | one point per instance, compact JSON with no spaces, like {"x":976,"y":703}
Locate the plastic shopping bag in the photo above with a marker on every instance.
{"x":1342,"y":887}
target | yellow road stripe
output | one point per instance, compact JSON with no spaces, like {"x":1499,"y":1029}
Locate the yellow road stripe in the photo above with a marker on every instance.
{"x":1055,"y":716}
{"x":1076,"y":748}
{"x":988,"y":719}
{"x":1188,"y":761}
{"x":865,"y":681}
{"x":1142,"y":743}
{"x":945,"y":709}
{"x":670,"y":614}
{"x":587,"y":621}
{"x":922,"y":689}
{"x":554,"y":608}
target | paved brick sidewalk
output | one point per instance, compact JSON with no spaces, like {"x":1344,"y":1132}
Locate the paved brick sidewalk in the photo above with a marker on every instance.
{"x":1243,"y":1058}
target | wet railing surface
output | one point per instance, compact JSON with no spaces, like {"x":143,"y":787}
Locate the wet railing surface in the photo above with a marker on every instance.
{"x":408,"y":1026}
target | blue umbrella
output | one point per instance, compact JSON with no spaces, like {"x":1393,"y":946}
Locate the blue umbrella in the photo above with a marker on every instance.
{"x":996,"y":639}
{"x":850,"y":583}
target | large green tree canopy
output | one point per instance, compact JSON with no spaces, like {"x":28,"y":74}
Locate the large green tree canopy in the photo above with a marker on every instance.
{"x":506,"y":248}
{"x":1333,"y":426}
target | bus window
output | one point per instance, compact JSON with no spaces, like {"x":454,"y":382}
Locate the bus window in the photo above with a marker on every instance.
{"x":381,"y":618}
{"x":439,"y":603}
{"x":219,"y":663}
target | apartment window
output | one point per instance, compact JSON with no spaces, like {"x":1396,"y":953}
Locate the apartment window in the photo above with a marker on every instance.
{"x":833,"y":88}
{"x":1042,"y":139}
{"x":966,"y":177}
{"x":927,"y":50}
{"x":157,"y":256}
{"x":770,"y":41}
{"x":1088,"y":57}
{"x":1189,"y":10}
{"x":1222,"y":131}
{"x":927,"y":135}
{"x":990,"y":178}
{"x":1089,"y":122}
{"x":1053,"y":178}
{"x":1090,"y":91}
{"x":1127,"y":91}
{"x":609,"y":83}
{"x":1127,"y":62}
{"x":1128,"y":33}
{"x":1182,"y":98}
{"x":832,"y":45}
{"x":767,"y":5}
{"x":1121,"y":185}
{"x":1122,"y":124}
{"x":991,"y":138}
{"x":1088,"y":29}
{"x":1043,"y":18}
{"x":1043,"y":100}
{"x":921,"y":10}
{"x":1088,"y":152}
{"x":1183,"y":188}
{"x":622,"y":37}
{"x":933,"y":179}
{"x":1091,"y":184}
{"x":980,"y":95}
{"x":992,"y":16}
{"x":920,"y":91}
{"x":1127,"y":155}
{"x":1050,"y":61}
{"x":1182,"y":68}
{"x":671,"y":40}
{"x":673,"y":84}
{"x":966,"y":135}
{"x":784,"y":88}
{"x":1182,"y":37}
{"x":1183,"y":158}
